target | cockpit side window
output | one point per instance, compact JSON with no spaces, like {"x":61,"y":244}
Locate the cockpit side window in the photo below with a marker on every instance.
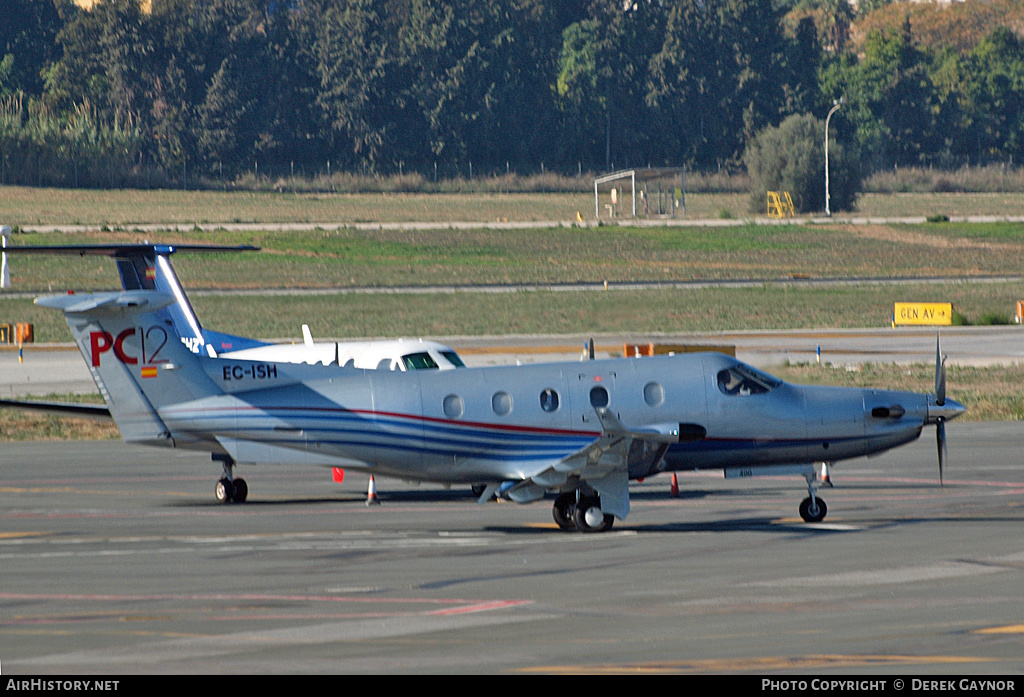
{"x":742,"y":380}
{"x":453,"y":358}
{"x":418,"y":361}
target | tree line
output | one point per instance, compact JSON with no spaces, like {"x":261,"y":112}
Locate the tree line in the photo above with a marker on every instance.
{"x":118,"y":96}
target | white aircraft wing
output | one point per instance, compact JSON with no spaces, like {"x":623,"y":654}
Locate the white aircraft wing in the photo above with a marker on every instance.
{"x":603,"y":464}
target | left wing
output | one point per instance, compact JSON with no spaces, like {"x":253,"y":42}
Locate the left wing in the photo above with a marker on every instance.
{"x":97,"y":412}
{"x":605,"y":463}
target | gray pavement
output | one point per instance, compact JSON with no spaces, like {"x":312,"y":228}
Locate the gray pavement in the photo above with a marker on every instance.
{"x":116,"y":560}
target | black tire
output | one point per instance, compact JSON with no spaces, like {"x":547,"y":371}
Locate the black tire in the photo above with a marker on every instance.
{"x":563,"y":510}
{"x":593,"y":507}
{"x":224,"y":490}
{"x":810,"y":516}
{"x":241,"y":491}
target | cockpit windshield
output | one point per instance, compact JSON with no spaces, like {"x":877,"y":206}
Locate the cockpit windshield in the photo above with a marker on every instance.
{"x":744,"y":380}
{"x":418,"y":361}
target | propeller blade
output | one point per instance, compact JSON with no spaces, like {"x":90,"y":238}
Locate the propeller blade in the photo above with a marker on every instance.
{"x":940,"y":375}
{"x":591,"y":349}
{"x":940,"y":440}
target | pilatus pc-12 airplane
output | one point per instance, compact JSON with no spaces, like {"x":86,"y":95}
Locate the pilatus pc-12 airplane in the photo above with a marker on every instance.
{"x":578,"y":430}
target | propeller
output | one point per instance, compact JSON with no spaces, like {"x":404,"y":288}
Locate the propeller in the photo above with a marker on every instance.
{"x":940,"y":400}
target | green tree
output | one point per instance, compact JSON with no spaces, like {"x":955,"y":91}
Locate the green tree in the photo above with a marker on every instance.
{"x":895,"y":106}
{"x":602,"y":84}
{"x":104,"y":61}
{"x":717,"y":78}
{"x":996,"y":96}
{"x":28,"y":31}
{"x":791,"y":158}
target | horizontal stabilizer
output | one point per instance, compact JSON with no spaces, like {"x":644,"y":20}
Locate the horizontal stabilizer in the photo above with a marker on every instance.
{"x":106,"y":303}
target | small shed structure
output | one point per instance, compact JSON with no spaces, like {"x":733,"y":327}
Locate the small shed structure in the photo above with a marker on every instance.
{"x":670,"y":181}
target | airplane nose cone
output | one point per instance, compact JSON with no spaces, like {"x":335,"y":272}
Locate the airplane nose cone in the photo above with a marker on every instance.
{"x":949,"y":409}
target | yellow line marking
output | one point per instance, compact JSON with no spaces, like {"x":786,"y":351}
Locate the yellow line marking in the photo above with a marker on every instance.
{"x":755,"y":665}
{"x":1008,"y":629}
{"x":17,"y":535}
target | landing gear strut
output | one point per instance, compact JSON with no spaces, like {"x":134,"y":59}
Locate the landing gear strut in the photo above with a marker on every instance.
{"x":229,"y":489}
{"x":812,"y":509}
{"x":576,"y":510}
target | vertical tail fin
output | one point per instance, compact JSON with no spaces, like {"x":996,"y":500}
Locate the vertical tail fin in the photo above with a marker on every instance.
{"x":135,"y":356}
{"x":148,"y":267}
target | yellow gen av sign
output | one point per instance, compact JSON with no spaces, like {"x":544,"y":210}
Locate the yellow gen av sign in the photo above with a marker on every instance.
{"x":923,"y":313}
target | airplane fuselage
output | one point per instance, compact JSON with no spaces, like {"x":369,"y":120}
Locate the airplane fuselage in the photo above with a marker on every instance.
{"x":506,"y":423}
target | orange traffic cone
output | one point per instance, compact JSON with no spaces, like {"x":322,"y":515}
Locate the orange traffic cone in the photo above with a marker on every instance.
{"x":371,"y":494}
{"x":675,"y":486}
{"x":825,"y":479}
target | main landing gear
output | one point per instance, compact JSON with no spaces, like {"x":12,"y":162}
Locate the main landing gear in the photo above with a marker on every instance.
{"x":579,"y":510}
{"x":229,"y":489}
{"x":812,"y":509}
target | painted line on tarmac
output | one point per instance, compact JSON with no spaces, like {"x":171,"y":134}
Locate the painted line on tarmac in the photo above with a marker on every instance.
{"x":1008,"y":629}
{"x":758,"y":664}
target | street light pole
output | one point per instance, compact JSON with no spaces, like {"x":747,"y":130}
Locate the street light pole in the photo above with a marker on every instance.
{"x":835,"y":107}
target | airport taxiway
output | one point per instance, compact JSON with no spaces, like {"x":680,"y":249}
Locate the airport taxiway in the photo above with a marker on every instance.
{"x":115,"y":559}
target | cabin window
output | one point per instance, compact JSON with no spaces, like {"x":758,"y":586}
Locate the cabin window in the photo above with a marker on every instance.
{"x":654,"y":394}
{"x":549,"y":400}
{"x":453,"y":406}
{"x":599,"y":397}
{"x":453,"y":358}
{"x":501,"y":402}
{"x":743,"y":380}
{"x":418,"y":361}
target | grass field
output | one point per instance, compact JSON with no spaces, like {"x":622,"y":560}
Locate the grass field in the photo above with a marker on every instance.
{"x":350,"y":257}
{"x":26,"y":206}
{"x":637,"y":312}
{"x":346,"y":258}
{"x":341,"y":259}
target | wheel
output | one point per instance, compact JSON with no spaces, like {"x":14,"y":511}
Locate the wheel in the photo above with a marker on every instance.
{"x":241,"y":491}
{"x":563,"y":509}
{"x":589,"y":517}
{"x":813,"y":515}
{"x":224,"y":490}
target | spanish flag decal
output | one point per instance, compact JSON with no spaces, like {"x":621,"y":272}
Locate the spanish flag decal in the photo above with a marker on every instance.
{"x":150,"y":273}
{"x":149,"y":371}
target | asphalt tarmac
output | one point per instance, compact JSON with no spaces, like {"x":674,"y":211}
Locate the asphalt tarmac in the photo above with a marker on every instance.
{"x":116,"y":560}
